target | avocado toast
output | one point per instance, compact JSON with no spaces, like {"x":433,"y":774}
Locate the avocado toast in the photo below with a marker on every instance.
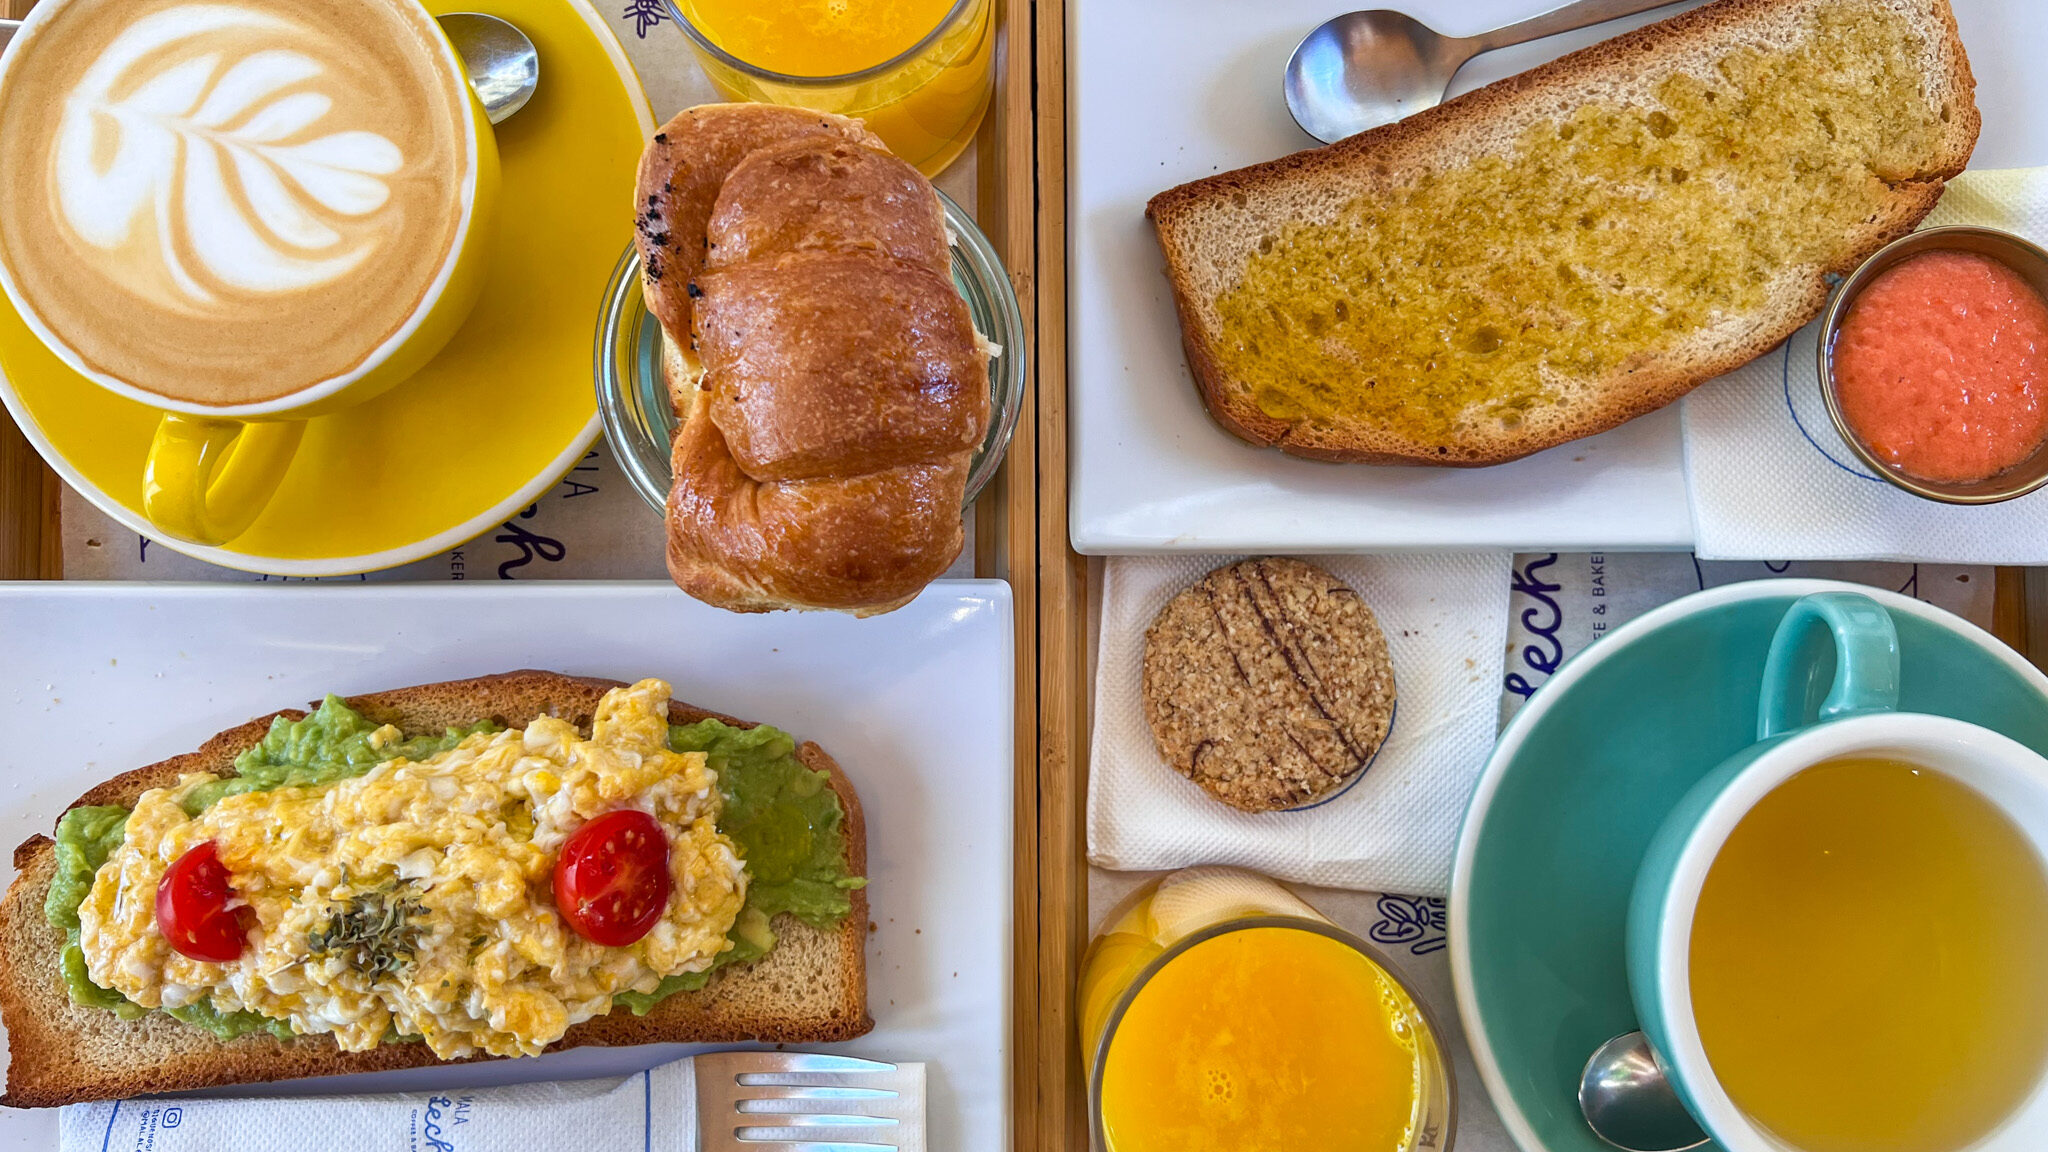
{"x":786,"y":807}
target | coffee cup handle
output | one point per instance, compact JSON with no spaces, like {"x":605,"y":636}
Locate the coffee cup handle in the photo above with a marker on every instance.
{"x":206,"y":479}
{"x":1866,"y":663}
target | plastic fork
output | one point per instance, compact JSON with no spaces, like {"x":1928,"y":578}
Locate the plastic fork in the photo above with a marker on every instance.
{"x":802,"y":1102}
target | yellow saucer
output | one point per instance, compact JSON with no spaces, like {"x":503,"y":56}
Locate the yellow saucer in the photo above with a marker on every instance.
{"x":482,"y":431}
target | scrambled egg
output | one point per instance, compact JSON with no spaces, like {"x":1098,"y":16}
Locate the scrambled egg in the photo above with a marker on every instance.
{"x":417,"y":899}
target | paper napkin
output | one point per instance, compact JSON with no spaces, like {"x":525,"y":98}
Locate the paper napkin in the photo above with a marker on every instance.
{"x":654,"y":1110}
{"x":1770,"y":479}
{"x":1445,"y":618}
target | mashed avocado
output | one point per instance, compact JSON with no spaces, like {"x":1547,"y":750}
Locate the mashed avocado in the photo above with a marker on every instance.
{"x":782,"y":815}
{"x":334,"y":743}
{"x":786,"y":820}
{"x":85,"y":838}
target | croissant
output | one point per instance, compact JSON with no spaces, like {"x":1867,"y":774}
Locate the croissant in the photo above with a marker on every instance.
{"x":828,"y":379}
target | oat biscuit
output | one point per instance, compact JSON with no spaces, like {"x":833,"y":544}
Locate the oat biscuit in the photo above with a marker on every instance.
{"x":1268,"y":683}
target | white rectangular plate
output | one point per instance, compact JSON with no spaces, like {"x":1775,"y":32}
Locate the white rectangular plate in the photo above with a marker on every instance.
{"x":1167,"y":91}
{"x":96,"y":679}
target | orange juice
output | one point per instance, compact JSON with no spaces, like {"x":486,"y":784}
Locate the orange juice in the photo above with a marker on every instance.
{"x":1220,"y":1012}
{"x":1263,"y":1039}
{"x":1867,"y":961}
{"x":919,"y":72}
{"x":817,"y":37}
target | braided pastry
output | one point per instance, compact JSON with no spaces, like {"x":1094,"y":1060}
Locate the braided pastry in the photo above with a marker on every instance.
{"x":829,"y":380}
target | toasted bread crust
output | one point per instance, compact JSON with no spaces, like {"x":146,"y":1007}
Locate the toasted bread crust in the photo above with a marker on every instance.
{"x":61,"y":1053}
{"x":1444,"y":136}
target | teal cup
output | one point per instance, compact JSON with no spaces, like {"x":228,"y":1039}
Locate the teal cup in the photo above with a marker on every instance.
{"x":1830,"y":690}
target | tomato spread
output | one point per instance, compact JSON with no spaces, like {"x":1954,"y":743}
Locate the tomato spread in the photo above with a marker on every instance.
{"x":1941,"y":367}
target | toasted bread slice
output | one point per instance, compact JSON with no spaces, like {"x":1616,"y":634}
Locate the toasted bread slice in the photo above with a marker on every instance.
{"x":1567,"y":249}
{"x":810,"y":988}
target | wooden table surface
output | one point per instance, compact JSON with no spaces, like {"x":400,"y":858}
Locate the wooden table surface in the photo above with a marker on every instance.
{"x":1024,"y":161}
{"x":1021,"y":535}
{"x":28,"y":489}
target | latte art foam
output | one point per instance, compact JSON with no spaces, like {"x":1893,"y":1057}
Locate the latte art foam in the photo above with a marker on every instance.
{"x":252,"y":167}
{"x":238,"y":199}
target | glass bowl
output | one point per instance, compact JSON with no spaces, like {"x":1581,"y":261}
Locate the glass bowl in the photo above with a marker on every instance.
{"x":1170,"y":915}
{"x":633,"y":398}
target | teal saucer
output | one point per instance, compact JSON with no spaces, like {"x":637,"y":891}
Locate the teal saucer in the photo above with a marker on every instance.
{"x":1579,"y":782}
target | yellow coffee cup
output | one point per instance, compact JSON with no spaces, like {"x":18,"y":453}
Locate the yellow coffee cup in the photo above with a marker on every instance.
{"x":214,"y":463}
{"x":209,"y":474}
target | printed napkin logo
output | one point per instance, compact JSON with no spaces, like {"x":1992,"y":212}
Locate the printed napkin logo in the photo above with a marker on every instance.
{"x":644,"y":14}
{"x":211,"y":158}
{"x":1415,"y":921}
{"x":443,"y":1114}
{"x":1541,"y":621}
{"x":1805,"y":405}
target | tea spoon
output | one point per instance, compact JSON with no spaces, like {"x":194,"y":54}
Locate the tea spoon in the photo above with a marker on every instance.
{"x":1628,"y":1102}
{"x":504,"y":68}
{"x":1364,"y":69}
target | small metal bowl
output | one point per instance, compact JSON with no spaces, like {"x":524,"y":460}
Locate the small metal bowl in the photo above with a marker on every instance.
{"x":2010,"y":250}
{"x":633,"y":399}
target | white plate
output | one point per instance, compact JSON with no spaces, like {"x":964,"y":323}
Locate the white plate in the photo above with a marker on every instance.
{"x":1166,"y":91}
{"x":96,"y":679}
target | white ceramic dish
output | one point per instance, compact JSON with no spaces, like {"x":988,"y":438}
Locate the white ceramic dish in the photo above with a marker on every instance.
{"x":1153,"y":473}
{"x":916,"y":705}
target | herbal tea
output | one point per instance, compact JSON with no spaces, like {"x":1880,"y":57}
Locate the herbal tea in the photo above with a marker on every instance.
{"x":1867,"y":961}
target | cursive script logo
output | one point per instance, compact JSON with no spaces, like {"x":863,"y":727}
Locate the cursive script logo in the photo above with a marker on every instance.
{"x":1544,"y":656}
{"x":430,"y":1125}
{"x":529,"y":543}
{"x":198,"y":125}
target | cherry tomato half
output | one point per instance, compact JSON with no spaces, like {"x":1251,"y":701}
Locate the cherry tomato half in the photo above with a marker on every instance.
{"x":192,"y":908}
{"x":612,"y":881}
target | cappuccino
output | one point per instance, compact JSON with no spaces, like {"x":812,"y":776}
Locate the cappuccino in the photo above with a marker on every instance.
{"x":226,"y":202}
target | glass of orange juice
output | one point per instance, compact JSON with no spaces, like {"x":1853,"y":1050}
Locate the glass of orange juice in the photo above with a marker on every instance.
{"x":1221,"y":1013}
{"x":919,"y":72}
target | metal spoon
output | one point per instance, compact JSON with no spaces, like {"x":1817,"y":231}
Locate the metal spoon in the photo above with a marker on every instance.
{"x":1364,"y":69}
{"x":503,"y":66}
{"x":1627,"y":1101}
